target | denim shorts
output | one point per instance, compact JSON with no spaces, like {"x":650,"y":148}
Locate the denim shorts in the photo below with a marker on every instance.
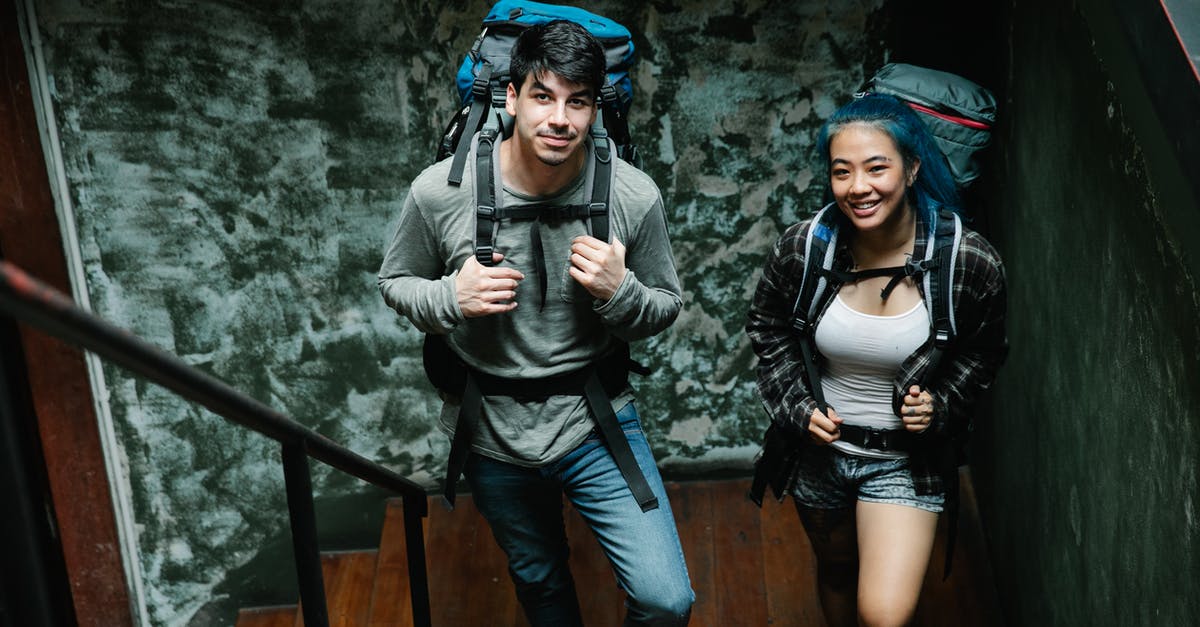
{"x":830,"y":479}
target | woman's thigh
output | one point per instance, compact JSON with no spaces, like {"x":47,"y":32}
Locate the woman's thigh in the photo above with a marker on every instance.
{"x":894,"y":545}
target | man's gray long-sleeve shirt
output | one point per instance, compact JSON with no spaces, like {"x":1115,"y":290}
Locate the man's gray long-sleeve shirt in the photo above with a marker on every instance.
{"x":434,"y":239}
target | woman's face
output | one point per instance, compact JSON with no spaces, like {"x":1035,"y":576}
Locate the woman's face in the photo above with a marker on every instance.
{"x":868,"y":177}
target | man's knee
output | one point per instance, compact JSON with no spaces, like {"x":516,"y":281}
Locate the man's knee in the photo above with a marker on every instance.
{"x":664,"y":607}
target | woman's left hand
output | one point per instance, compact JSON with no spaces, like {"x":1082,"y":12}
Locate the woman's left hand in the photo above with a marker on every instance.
{"x":917,"y":411}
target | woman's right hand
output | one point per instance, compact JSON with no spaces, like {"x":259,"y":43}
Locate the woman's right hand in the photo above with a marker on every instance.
{"x":824,"y":429}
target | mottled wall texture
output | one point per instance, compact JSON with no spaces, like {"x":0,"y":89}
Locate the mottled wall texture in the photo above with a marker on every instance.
{"x":1088,"y":476}
{"x":236,"y":168}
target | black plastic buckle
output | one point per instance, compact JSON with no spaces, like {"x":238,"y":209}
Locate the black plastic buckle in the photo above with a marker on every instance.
{"x":883,"y":440}
{"x":800,"y":325}
{"x":485,"y":211}
{"x":597,"y":208}
{"x":479,"y":88}
{"x":941,"y":337}
{"x":913,"y":268}
{"x":608,"y":93}
{"x":483,"y":255}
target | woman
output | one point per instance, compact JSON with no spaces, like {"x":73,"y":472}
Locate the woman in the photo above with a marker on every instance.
{"x":870,"y":457}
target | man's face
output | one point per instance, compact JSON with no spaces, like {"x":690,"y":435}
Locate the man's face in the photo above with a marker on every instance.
{"x":551,"y":116}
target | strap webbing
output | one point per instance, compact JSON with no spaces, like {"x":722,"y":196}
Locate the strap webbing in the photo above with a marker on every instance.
{"x":539,"y":259}
{"x":486,"y":222}
{"x":601,"y":182}
{"x":597,"y":383}
{"x":940,"y":284}
{"x":464,"y":432}
{"x":480,"y":105}
{"x":810,"y":368}
{"x":618,"y":445}
{"x":881,"y":439}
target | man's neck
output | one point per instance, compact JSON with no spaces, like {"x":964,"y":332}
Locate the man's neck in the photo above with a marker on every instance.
{"x":525,"y":173}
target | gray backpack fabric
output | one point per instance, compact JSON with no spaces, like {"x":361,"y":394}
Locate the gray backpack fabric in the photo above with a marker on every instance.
{"x":959,"y":113}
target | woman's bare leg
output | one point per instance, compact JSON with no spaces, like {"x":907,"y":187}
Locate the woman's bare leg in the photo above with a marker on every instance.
{"x":894,"y":545}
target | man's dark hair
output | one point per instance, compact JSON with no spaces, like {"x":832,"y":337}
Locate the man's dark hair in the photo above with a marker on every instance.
{"x":560,"y":47}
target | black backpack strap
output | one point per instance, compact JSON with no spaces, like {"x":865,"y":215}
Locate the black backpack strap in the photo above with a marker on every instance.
{"x":597,"y":383}
{"x":618,"y":126}
{"x":618,"y":444}
{"x":464,"y":431}
{"x":489,"y":213}
{"x":941,"y":257}
{"x":819,"y":247}
{"x":487,"y":222}
{"x":938,"y":261}
{"x":480,"y":106}
{"x":602,"y":179}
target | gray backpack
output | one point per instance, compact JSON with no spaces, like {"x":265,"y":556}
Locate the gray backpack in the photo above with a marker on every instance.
{"x":958,"y":113}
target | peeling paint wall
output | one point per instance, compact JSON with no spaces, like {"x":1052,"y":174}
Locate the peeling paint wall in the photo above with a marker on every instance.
{"x":236,"y":168}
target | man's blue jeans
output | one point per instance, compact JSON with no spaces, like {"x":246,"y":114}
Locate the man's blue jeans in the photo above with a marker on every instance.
{"x":525,"y":511}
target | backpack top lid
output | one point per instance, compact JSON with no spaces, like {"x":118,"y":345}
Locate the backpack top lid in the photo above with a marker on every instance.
{"x":508,"y":18}
{"x":958,"y":113}
{"x":937,"y":90}
{"x":528,"y":13}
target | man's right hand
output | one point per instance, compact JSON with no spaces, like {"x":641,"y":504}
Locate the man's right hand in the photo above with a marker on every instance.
{"x":824,"y":429}
{"x":486,"y":290}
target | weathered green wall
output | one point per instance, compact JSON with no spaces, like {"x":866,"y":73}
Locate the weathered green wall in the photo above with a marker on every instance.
{"x":236,"y":168}
{"x":1087,"y":477}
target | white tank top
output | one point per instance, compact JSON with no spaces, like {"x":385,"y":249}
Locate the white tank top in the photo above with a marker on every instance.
{"x":862,"y":354}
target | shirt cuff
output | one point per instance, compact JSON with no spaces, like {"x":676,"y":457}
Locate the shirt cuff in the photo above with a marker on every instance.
{"x":623,"y":303}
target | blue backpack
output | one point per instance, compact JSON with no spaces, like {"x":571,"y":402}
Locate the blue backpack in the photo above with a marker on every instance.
{"x":483,"y":77}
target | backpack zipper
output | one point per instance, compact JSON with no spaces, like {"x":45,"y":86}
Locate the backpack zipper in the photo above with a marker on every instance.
{"x":969,"y":123}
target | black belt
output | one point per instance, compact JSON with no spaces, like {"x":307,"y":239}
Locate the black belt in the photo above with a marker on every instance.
{"x":878,"y":439}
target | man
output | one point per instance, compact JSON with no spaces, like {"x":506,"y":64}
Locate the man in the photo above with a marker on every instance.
{"x":591,"y":297}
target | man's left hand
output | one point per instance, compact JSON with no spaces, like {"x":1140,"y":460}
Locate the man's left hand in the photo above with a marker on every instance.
{"x":597,"y":266}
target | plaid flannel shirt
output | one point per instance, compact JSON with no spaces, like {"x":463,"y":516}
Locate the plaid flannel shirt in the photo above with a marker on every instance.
{"x":966,"y":370}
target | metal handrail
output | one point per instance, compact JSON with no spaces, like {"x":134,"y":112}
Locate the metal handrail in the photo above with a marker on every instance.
{"x":47,"y":309}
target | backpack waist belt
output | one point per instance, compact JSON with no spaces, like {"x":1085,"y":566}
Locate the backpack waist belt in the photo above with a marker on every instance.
{"x":597,"y":383}
{"x":879,"y":439}
{"x":780,"y":449}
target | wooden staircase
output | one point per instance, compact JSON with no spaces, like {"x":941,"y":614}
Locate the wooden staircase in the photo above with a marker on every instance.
{"x":748,"y":567}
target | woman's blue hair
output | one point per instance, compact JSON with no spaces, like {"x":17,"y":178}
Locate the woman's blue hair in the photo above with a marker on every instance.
{"x":934,"y":187}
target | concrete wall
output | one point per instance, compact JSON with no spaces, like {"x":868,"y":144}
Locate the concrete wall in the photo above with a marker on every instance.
{"x":235,"y":168}
{"x":1087,"y":475}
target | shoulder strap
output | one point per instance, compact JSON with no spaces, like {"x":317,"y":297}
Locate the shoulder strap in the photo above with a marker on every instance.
{"x":488,"y":212}
{"x":487,"y":223}
{"x":602,"y":180}
{"x":479,"y":107}
{"x":820,"y":245}
{"x":941,"y":253}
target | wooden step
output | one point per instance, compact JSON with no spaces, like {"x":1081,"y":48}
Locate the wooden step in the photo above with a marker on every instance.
{"x":280,"y":616}
{"x":749,"y":566}
{"x":348,"y":578}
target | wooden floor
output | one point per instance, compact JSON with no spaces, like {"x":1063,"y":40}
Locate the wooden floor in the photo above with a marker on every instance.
{"x":749,"y":566}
